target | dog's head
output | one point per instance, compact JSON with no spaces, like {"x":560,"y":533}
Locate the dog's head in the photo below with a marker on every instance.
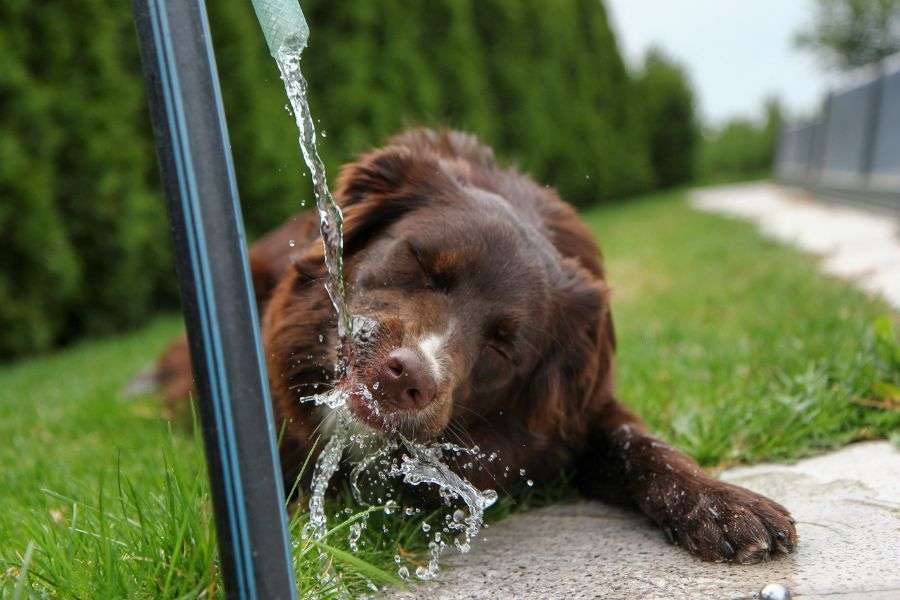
{"x":465,"y":306}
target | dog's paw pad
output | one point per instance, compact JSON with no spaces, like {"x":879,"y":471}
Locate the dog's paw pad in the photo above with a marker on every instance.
{"x":726,"y":523}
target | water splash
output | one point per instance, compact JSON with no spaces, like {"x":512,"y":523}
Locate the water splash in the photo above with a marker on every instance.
{"x":327,"y":464}
{"x":400,"y":459}
{"x":385,"y":463}
{"x":423,"y":465}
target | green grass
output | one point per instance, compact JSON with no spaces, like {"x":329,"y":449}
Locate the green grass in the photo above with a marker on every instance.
{"x":730,"y":346}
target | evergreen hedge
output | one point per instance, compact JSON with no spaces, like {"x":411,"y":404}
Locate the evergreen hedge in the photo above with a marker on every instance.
{"x":85,"y":246}
{"x":741,"y":148}
{"x":672,"y":132}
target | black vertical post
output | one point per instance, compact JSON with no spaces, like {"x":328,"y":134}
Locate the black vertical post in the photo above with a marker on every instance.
{"x":217,"y":297}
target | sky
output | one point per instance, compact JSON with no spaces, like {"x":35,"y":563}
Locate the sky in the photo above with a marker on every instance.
{"x":737,"y":52}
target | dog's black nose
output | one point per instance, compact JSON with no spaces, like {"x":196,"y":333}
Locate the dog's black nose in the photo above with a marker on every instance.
{"x":406,"y":381}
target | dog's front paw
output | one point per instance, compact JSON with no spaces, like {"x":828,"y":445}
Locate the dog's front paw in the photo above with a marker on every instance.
{"x":722,"y":522}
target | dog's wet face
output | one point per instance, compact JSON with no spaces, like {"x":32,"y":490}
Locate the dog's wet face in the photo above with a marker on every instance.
{"x":456,"y":303}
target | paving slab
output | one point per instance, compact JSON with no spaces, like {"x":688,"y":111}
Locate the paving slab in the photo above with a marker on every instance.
{"x":847,"y":506}
{"x":862,"y":246}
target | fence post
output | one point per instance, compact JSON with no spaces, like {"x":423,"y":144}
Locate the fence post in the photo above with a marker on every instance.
{"x":871,"y":131}
{"x":820,"y":142}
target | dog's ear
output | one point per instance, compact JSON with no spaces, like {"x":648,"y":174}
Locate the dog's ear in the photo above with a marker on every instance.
{"x":265,"y":276}
{"x":382,"y":186}
{"x":577,"y":369}
{"x":383,"y":173}
{"x":373,"y":192}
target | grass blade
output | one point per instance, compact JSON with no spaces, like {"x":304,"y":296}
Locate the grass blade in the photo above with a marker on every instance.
{"x":22,"y":580}
{"x":367,"y":569}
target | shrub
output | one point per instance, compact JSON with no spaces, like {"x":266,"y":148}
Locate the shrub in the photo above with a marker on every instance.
{"x":81,"y":224}
{"x":85,"y":247}
{"x":671,"y":126}
{"x":741,"y":148}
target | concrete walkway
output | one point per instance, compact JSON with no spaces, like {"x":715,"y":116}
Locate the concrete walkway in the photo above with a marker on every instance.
{"x":847,"y":505}
{"x":855,"y":244}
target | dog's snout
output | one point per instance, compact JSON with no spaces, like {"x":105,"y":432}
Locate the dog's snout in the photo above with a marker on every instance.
{"x":406,"y":380}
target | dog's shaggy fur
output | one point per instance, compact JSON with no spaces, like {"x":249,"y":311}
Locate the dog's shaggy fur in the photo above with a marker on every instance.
{"x":495,"y":291}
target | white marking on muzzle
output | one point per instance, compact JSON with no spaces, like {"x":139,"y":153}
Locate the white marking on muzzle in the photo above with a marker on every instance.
{"x":432,"y":348}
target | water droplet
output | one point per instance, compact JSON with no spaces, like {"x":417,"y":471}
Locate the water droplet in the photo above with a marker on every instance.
{"x":426,"y":527}
{"x":292,"y":243}
{"x":529,"y":483}
{"x":353,"y":537}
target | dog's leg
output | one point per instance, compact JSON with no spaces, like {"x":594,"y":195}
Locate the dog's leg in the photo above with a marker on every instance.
{"x":710,"y":518}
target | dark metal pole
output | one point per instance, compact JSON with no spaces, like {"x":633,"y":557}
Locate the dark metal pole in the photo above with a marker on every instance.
{"x":217,"y":297}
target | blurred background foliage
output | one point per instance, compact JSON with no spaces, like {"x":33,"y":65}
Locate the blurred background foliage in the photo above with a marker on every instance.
{"x":847,"y":34}
{"x":85,"y":247}
{"x":739,"y":149}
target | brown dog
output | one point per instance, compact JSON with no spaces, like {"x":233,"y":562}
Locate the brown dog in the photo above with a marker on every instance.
{"x":490,"y":317}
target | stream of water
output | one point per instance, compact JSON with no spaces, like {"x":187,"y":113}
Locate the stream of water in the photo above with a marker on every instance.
{"x":383,"y":460}
{"x":331,"y":221}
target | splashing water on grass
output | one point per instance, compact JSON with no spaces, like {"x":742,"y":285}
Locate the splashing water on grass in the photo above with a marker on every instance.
{"x":386,"y":460}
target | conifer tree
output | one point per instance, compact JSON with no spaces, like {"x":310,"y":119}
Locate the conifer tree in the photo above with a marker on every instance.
{"x":85,"y":246}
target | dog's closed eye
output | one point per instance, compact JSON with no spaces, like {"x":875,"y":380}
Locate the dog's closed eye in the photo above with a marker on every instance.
{"x":435,"y":267}
{"x":500,"y":338}
{"x":499,"y":350}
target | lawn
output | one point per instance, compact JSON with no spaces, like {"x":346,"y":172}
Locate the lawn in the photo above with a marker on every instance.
{"x":731,"y":346}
